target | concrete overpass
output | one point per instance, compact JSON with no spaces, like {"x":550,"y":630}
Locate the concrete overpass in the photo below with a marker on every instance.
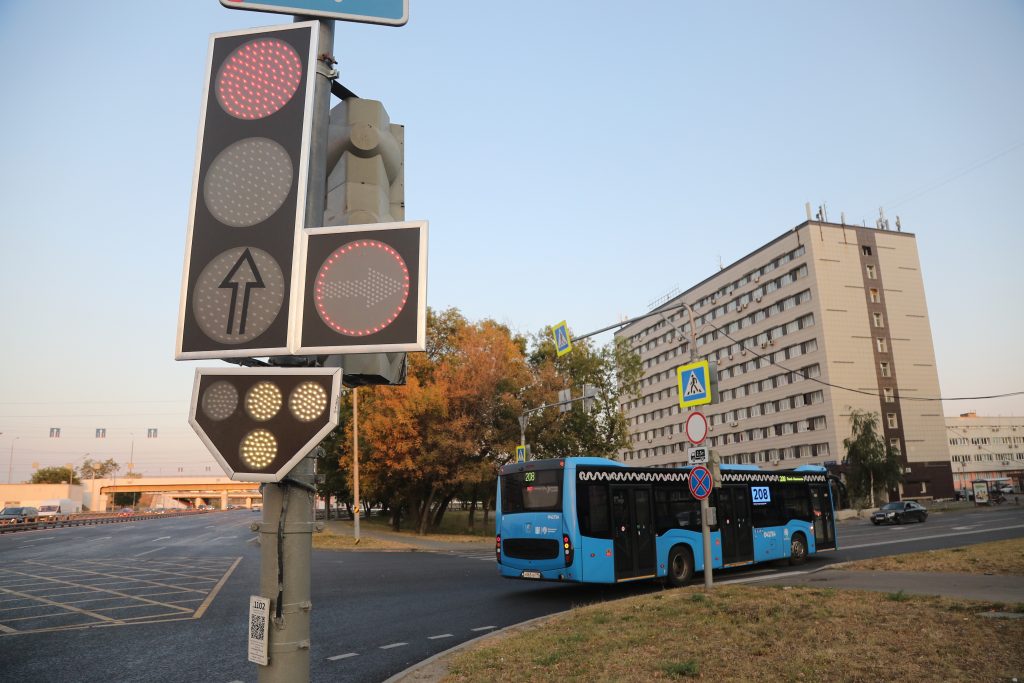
{"x":191,"y":491}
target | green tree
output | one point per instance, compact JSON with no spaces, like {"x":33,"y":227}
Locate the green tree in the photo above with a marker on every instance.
{"x":871,"y":463}
{"x":613,"y":369}
{"x":55,"y":475}
{"x":95,"y":468}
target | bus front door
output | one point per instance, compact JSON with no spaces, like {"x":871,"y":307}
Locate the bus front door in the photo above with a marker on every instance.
{"x":633,"y":536}
{"x":735,"y":524}
{"x":824,"y":524}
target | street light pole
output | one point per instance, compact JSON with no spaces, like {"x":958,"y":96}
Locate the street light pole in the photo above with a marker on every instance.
{"x":10,"y":464}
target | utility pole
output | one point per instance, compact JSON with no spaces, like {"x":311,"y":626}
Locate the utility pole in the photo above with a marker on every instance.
{"x":286,"y":530}
{"x":355,"y":462}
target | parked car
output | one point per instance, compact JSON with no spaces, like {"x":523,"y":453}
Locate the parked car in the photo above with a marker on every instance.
{"x":17,"y":515}
{"x":963,"y":494}
{"x":125,"y":512}
{"x":899,"y":512}
{"x":1005,"y":488}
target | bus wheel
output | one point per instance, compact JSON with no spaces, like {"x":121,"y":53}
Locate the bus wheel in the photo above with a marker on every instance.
{"x":797,"y":549}
{"x":680,"y":566}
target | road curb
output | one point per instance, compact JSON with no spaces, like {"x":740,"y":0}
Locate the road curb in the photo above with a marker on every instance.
{"x":435,"y":668}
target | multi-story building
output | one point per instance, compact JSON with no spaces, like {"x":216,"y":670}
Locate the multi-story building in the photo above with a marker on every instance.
{"x":820,"y":321}
{"x":986,"y":448}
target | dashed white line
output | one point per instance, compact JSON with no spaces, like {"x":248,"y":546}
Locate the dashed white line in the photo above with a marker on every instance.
{"x":223,"y":538}
{"x":344,"y":656}
{"x":388,"y":647}
{"x":438,"y":637}
{"x":150,"y":551}
{"x":483,"y":628}
{"x":159,"y":539}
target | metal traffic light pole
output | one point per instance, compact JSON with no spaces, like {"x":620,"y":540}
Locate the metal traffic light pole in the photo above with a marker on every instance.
{"x":286,"y":532}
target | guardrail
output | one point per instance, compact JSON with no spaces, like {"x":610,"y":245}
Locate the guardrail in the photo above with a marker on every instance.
{"x":91,"y":518}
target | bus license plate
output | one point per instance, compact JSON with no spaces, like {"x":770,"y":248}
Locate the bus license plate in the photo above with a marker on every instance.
{"x":530,"y":575}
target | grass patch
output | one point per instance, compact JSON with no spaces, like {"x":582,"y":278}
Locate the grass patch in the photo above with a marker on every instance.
{"x":998,"y":557}
{"x":681,"y":669}
{"x":328,"y":541}
{"x":898,"y":596}
{"x":744,"y":633}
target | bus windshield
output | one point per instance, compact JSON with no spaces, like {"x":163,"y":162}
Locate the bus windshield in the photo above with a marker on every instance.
{"x":538,"y":491}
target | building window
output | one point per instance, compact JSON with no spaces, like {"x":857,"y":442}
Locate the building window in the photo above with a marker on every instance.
{"x":889,"y":395}
{"x":890,"y":419}
{"x":877,"y":319}
{"x":866,"y":250}
{"x":871,"y":272}
{"x":894,"y":444}
{"x":881,"y":345}
{"x":874,"y":296}
{"x":886,"y":370}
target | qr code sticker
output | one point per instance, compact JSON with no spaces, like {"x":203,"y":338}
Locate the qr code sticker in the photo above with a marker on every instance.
{"x":257,"y":627}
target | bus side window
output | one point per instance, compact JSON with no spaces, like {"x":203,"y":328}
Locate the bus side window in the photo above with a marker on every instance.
{"x":770,"y":513}
{"x":675,"y":508}
{"x":797,"y":502}
{"x":592,"y":506}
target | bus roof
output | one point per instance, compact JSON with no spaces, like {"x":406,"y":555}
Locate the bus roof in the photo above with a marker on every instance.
{"x":592,"y":461}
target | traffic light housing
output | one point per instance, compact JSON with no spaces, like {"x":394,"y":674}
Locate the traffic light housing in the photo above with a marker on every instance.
{"x":260,"y":423}
{"x":248,"y":193}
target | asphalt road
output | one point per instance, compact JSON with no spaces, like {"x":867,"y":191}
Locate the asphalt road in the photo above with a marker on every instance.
{"x":120,"y":602}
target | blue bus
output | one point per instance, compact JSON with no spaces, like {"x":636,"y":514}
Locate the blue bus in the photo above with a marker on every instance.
{"x":593,"y":520}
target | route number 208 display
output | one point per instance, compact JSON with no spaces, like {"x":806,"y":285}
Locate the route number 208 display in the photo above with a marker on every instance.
{"x":760,"y":495}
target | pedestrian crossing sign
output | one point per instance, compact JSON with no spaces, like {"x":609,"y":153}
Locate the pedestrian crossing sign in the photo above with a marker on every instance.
{"x":520,"y":453}
{"x":696,"y":386}
{"x":563,"y":344}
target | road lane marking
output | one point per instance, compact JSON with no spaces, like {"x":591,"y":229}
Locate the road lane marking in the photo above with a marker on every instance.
{"x":483,"y":628}
{"x":443,"y":635}
{"x":223,"y":538}
{"x":162,"y":538}
{"x":41,"y":538}
{"x":928,"y":538}
{"x":388,"y":647}
{"x":201,"y":610}
{"x":150,"y":551}
{"x":69,"y":608}
{"x":7,"y":629}
{"x":344,"y":656}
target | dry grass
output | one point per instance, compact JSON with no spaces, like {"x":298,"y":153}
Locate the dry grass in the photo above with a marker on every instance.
{"x":329,"y":541}
{"x":750,"y":633}
{"x":999,"y":557}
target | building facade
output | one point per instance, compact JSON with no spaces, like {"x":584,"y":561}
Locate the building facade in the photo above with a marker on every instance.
{"x":820,"y":321}
{"x":986,"y":448}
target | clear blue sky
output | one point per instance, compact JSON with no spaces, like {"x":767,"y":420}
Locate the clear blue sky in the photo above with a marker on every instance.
{"x":575,"y":162}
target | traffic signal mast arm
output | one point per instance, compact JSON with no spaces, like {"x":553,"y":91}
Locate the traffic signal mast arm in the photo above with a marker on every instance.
{"x":589,"y":392}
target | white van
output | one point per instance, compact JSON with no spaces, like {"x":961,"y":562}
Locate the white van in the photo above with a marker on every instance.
{"x":59,"y":507}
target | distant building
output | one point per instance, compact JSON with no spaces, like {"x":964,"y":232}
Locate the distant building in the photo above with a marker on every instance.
{"x":820,"y":307}
{"x":986,"y":448}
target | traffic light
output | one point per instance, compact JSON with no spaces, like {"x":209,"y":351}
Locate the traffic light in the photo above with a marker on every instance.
{"x":248,"y":193}
{"x":364,"y":289}
{"x":260,"y":423}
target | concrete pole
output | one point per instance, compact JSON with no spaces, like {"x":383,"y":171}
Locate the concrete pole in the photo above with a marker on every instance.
{"x":355,"y":461}
{"x":705,"y":527}
{"x":286,"y":532}
{"x":286,"y":549}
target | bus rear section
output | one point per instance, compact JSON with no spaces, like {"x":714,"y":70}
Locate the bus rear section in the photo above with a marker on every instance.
{"x":533,"y":539}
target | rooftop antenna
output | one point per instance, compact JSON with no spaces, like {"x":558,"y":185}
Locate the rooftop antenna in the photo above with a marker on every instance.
{"x":720,"y":266}
{"x":842,"y":217}
{"x":898,"y":224}
{"x":882,"y":223}
{"x":807,"y":208}
{"x":824,"y":211}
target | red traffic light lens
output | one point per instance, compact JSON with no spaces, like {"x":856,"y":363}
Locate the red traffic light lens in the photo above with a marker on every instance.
{"x":361,"y":288}
{"x":258,"y":78}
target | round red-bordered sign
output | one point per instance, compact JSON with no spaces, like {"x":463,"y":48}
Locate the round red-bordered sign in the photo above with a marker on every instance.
{"x":696,"y":428}
{"x":700,"y":482}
